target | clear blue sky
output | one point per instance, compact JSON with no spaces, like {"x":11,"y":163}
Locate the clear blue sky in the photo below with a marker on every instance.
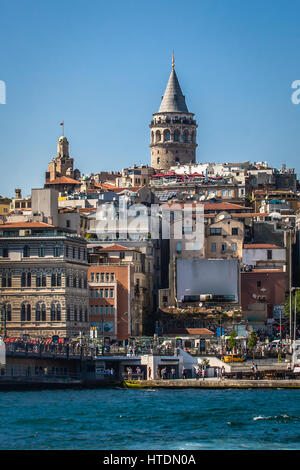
{"x":102,"y":67}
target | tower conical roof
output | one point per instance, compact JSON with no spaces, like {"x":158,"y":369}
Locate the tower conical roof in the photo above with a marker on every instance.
{"x":173,"y":100}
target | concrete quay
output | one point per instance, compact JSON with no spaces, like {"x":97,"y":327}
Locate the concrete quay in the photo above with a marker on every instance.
{"x":214,"y":383}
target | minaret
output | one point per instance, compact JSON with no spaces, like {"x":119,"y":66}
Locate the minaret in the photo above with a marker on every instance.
{"x":173,"y":129}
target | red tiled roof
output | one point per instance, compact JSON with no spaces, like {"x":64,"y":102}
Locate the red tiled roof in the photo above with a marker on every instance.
{"x":116,"y":248}
{"x":26,"y":225}
{"x":191,"y":331}
{"x":222,"y":206}
{"x":63,"y":180}
{"x":261,"y":246}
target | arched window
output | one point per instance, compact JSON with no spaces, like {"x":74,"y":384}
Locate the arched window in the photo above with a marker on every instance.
{"x":43,"y":313}
{"x":44,"y":280}
{"x":52,"y":315}
{"x":23,"y":312}
{"x":28,"y":279}
{"x":53,"y":280}
{"x":8,"y":312}
{"x":38,"y":312}
{"x":26,"y":312}
{"x":167,"y":135}
{"x":58,"y":279}
{"x":185,"y":136}
{"x":26,"y":251}
{"x":176,"y":136}
{"x":58,"y":312}
{"x":23,"y":279}
{"x":157,"y":136}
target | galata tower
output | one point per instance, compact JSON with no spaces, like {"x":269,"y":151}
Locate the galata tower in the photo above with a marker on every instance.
{"x":173,"y":129}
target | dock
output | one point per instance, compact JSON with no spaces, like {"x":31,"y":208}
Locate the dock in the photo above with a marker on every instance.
{"x":214,"y":384}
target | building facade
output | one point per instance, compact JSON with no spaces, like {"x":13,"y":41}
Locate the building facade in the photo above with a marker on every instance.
{"x":44,"y":289}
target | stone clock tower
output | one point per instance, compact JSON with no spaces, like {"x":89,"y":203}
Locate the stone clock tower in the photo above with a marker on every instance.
{"x":173,"y":129}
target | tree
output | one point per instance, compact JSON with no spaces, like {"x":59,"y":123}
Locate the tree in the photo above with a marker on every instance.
{"x":286,"y":308}
{"x":252,"y":341}
{"x":232,"y":339}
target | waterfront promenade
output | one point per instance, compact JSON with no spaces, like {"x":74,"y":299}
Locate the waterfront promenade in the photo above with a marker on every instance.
{"x":214,"y":383}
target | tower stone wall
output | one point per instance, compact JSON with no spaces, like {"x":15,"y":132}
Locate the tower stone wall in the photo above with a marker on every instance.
{"x":173,"y":129}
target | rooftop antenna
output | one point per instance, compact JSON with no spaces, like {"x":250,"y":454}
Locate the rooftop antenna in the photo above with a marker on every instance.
{"x":173,"y":61}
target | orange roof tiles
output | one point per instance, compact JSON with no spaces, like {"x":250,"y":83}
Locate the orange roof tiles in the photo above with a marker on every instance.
{"x":64,"y":180}
{"x":116,"y":248}
{"x":26,"y":225}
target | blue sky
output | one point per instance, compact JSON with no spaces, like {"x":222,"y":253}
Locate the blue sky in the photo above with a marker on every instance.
{"x":102,"y":67}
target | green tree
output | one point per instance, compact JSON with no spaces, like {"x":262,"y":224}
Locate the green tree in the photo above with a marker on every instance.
{"x":232,"y":339}
{"x":286,"y":308}
{"x":252,"y":341}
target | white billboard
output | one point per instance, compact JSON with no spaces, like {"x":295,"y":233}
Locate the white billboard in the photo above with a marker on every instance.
{"x":218,"y":277}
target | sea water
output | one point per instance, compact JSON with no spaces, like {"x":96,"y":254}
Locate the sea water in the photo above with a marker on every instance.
{"x":119,"y":419}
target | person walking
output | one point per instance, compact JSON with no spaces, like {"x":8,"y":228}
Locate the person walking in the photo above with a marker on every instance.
{"x":184,"y":372}
{"x":149,"y":373}
{"x":173,"y":373}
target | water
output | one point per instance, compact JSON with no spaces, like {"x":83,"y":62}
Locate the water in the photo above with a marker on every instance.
{"x":150,"y":419}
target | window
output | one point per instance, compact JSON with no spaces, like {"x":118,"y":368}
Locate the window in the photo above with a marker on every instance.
{"x":107,"y":277}
{"x":269,"y":254}
{"x":234,"y":247}
{"x":5,"y":252}
{"x":102,"y":277}
{"x":58,"y":279}
{"x":215,"y":231}
{"x":178,"y":247}
{"x":26,"y":251}
{"x":56,"y":251}
{"x":23,"y":280}
{"x":234,"y":231}
{"x":258,"y":283}
{"x":68,"y":223}
{"x":97,"y":277}
{"x":38,"y":312}
{"x":38,"y":280}
{"x":122,"y":254}
{"x":224,"y":247}
{"x":25,"y":312}
{"x":112,"y":310}
{"x":112,"y":276}
{"x":106,"y":310}
{"x":44,"y":280}
{"x":213,"y":247}
{"x":97,"y":293}
{"x":92,"y":277}
{"x":91,"y":293}
{"x":111,"y":293}
{"x":8,"y":312}
{"x":91,"y":309}
{"x":41,"y":251}
{"x":101,"y":310}
{"x":106,"y":293}
{"x":28,"y":279}
{"x":101,"y":293}
{"x":68,"y":314}
{"x":67,"y":251}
